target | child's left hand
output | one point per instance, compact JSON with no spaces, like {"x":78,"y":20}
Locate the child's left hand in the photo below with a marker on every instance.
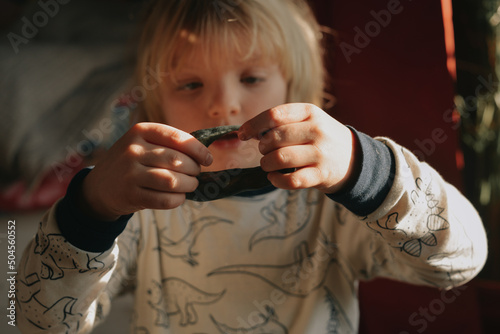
{"x":304,"y":137}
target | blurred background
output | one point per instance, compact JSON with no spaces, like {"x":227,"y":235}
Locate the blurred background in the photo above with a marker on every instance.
{"x":426,"y":75}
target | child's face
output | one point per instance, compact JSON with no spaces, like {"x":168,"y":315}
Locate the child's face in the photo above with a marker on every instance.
{"x":225,"y":92}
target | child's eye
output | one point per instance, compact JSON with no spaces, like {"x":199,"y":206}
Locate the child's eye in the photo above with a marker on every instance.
{"x":251,"y":80}
{"x":190,"y":86}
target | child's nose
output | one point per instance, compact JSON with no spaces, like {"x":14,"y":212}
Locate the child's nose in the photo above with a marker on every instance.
{"x":225,"y":103}
{"x":220,"y":113}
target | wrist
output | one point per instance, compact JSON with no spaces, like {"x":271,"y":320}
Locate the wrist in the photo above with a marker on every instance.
{"x":370,"y":185}
{"x":88,"y":202}
{"x":81,"y":230}
{"x":353,"y":169}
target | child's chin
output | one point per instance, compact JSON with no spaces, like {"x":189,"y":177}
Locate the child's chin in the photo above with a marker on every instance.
{"x":227,"y":144}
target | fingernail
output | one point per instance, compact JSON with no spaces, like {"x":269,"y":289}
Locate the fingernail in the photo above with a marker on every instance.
{"x":262,"y":146}
{"x":208,"y":160}
{"x":243,"y":136}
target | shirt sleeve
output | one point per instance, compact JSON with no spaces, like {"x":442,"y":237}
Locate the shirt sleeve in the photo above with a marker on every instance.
{"x":372,"y":180}
{"x":62,"y":288}
{"x":424,"y":231}
{"x":81,"y":230}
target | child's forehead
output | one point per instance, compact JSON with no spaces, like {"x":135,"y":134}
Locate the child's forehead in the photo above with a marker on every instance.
{"x":202,"y":55}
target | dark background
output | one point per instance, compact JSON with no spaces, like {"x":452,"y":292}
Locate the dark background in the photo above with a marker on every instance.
{"x":404,"y":80}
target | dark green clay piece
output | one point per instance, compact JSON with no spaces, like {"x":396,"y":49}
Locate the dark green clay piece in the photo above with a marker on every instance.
{"x":229,"y":182}
{"x":208,"y":136}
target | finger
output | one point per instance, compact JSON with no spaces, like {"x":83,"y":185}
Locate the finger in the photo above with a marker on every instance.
{"x":165,"y":180}
{"x":307,"y":177}
{"x":164,"y":157}
{"x":153,"y":199}
{"x":290,"y":157}
{"x":274,"y":117}
{"x":287,"y":135}
{"x":167,"y":136}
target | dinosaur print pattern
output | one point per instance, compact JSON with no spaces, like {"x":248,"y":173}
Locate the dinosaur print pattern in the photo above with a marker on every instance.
{"x":446,"y":260}
{"x":42,"y":316}
{"x":285,"y":217}
{"x":174,"y":296}
{"x":183,"y":247}
{"x":269,"y":325}
{"x":58,"y":255}
{"x":339,"y":321}
{"x":435,"y":222}
{"x":305,"y":274}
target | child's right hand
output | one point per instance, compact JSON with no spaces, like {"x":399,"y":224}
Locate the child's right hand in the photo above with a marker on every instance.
{"x":152,"y":166}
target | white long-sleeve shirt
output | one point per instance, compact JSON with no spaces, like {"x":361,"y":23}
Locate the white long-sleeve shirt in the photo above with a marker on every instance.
{"x":279,"y":262}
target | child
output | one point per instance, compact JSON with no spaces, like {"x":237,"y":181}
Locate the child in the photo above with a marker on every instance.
{"x":284,"y":259}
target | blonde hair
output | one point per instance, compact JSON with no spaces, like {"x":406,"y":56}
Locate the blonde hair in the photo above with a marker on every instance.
{"x":284,"y":31}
